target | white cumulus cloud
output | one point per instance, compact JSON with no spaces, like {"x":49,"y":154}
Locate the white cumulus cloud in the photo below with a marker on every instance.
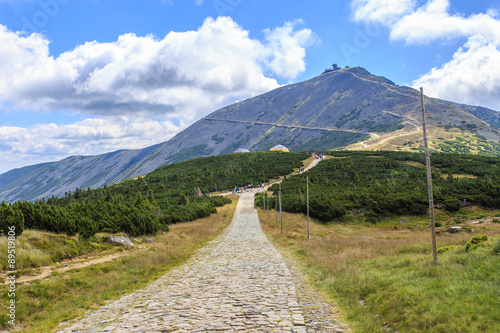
{"x":286,"y":49}
{"x":472,"y":75}
{"x":179,"y":77}
{"x":49,"y":142}
{"x":185,"y":74}
{"x":434,"y":21}
{"x":384,"y":12}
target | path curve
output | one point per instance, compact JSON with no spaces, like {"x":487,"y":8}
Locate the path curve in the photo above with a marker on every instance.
{"x":417,"y":129}
{"x":239,"y":282}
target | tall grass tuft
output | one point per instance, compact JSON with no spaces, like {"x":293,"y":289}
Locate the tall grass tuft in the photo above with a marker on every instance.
{"x":36,"y":248}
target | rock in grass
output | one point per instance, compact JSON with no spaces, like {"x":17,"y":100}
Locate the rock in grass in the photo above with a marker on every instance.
{"x":455,"y":229}
{"x":119,"y":240}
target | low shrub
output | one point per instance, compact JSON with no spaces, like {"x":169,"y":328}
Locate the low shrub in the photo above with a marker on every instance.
{"x":496,"y":247}
{"x":445,"y":248}
{"x":475,"y":242}
{"x":452,"y":205}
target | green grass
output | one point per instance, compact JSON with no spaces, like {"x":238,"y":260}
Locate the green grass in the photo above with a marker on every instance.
{"x":409,"y":293}
{"x":384,"y":277}
{"x":36,"y":248}
{"x":470,"y":144}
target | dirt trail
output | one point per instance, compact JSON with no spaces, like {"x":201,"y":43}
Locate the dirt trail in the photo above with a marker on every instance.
{"x":311,"y":165}
{"x":46,"y":271}
{"x":308,"y":167}
{"x":253,"y":122}
{"x":417,"y":129}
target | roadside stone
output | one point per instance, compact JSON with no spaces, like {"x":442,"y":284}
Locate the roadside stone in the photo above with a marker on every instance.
{"x":119,"y":240}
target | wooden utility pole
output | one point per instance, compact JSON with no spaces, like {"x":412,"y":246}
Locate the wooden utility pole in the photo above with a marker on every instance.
{"x":276,"y":207}
{"x":429,"y":179}
{"x":281,"y":213}
{"x":307,"y":187}
{"x":264,"y":201}
{"x":268,"y":209}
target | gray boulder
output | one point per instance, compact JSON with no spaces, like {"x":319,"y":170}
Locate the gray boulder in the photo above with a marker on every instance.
{"x":119,"y":240}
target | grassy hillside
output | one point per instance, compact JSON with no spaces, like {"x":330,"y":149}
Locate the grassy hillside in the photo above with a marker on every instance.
{"x":370,"y":249}
{"x":460,"y":139}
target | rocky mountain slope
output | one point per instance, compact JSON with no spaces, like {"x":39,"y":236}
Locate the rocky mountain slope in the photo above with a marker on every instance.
{"x":342,"y":108}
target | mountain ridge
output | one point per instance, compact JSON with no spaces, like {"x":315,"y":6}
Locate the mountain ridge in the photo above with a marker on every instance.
{"x":342,"y":108}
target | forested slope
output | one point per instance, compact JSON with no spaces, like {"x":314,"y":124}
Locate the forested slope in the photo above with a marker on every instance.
{"x":374,"y":185}
{"x":145,"y":205}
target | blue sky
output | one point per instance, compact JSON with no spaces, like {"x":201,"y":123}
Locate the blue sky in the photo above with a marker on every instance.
{"x":92,"y":76}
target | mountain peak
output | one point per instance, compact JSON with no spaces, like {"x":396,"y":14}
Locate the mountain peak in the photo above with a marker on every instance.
{"x":359,"y":72}
{"x":343,"y":107}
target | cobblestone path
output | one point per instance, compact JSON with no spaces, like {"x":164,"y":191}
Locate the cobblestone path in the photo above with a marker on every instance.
{"x":239,"y":282}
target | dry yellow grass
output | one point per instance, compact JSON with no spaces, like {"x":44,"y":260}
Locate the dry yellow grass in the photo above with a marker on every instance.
{"x":308,"y":161}
{"x":338,"y":242}
{"x":457,"y":176}
{"x":342,"y":242}
{"x":415,"y":164}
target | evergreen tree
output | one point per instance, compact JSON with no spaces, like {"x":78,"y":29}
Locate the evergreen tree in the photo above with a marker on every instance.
{"x":9,"y":218}
{"x":150,"y":197}
{"x":183,"y":200}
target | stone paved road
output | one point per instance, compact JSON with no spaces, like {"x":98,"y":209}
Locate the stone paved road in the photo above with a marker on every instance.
{"x":239,"y":282}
